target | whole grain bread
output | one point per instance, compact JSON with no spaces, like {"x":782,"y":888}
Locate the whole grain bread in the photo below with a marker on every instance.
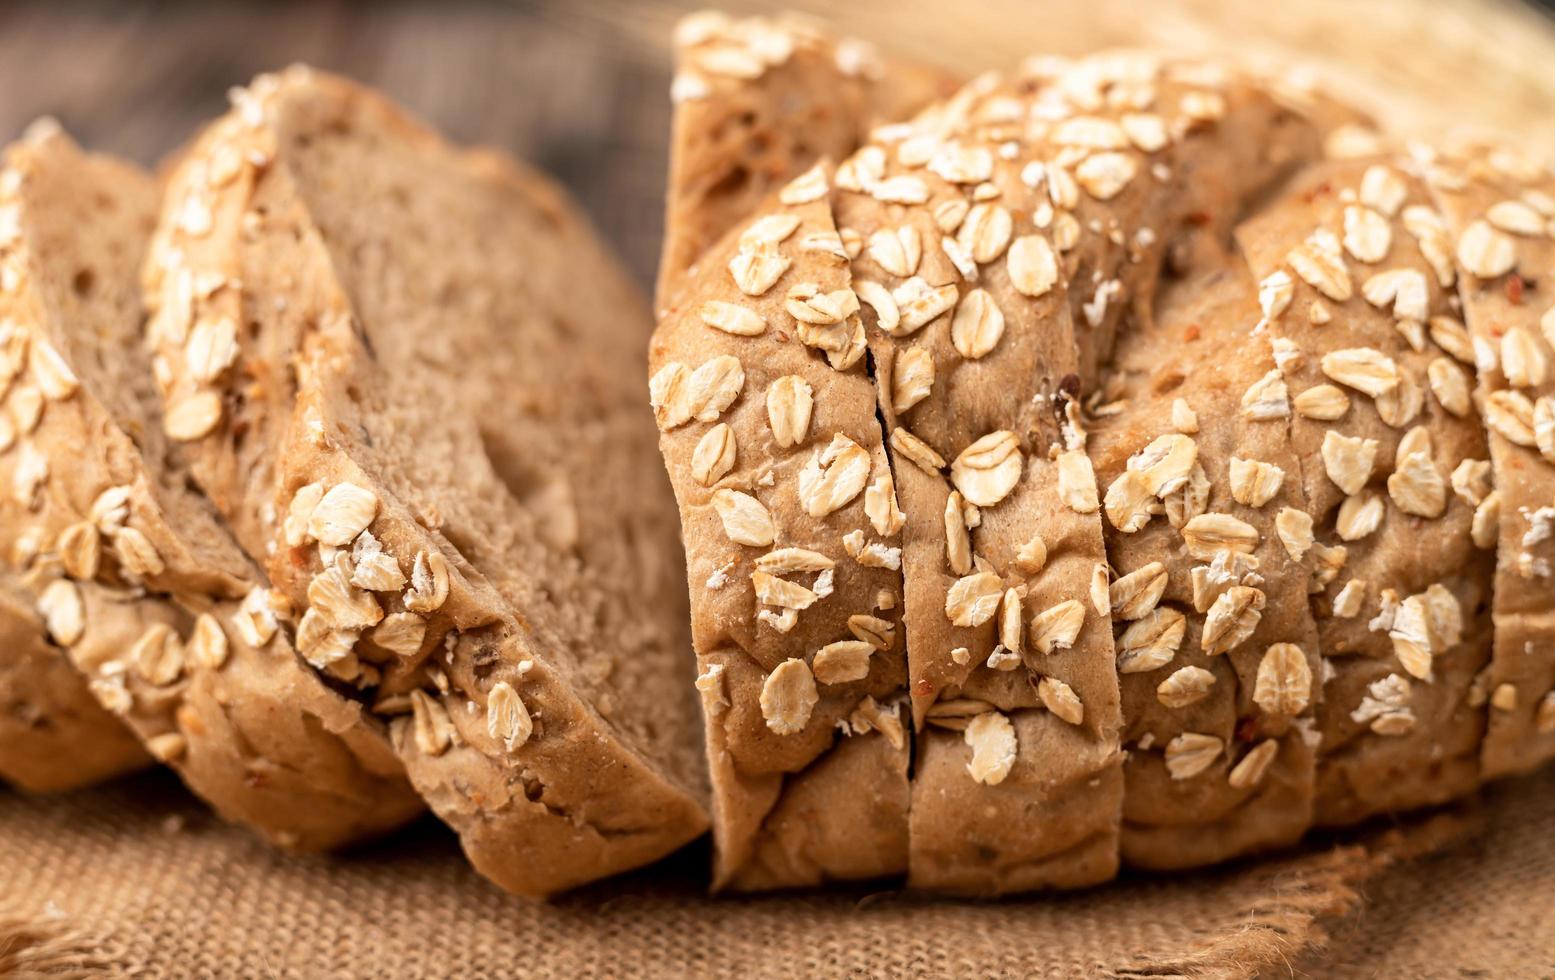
{"x":130,"y":569}
{"x":425,"y":425}
{"x":1186,"y":463}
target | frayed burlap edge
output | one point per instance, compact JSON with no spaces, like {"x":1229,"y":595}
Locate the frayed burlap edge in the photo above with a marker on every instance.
{"x":49,"y":945}
{"x":1291,"y":924}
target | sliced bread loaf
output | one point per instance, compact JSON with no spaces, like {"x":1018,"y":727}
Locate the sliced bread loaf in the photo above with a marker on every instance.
{"x":1294,"y":587}
{"x":420,"y":413}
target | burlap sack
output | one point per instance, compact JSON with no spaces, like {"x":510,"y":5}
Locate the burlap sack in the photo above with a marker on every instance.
{"x":138,"y":879}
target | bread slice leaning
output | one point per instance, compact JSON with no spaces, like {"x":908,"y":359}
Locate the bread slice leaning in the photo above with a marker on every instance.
{"x":128,"y":567}
{"x":409,"y":377}
{"x":53,"y":734}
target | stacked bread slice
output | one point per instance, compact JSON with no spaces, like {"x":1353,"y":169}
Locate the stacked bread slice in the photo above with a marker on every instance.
{"x":1186,"y":517}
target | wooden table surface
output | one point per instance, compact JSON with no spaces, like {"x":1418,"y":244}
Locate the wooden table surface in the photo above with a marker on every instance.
{"x":580,"y":88}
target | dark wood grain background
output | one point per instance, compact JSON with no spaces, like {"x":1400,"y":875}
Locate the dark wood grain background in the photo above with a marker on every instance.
{"x":580,"y":87}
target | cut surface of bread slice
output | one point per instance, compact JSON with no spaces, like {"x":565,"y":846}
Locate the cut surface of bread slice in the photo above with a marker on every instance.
{"x":54,"y":736}
{"x":427,"y":427}
{"x":130,"y":569}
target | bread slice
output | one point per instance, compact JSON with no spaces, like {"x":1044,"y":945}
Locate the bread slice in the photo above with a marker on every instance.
{"x":1351,"y":273}
{"x":1219,"y":719}
{"x":776,"y":457}
{"x":763,"y":108}
{"x":1207,"y":635}
{"x":1497,"y":207}
{"x":428,"y":427}
{"x":54,"y":736}
{"x":130,"y":568}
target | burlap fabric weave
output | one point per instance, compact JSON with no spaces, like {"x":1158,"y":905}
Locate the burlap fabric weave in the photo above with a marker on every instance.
{"x":137,"y":879}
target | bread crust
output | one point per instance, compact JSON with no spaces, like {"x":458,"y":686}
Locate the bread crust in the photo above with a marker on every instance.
{"x":758,"y":101}
{"x":1494,"y":202}
{"x":791,"y":413}
{"x":1426,"y":752}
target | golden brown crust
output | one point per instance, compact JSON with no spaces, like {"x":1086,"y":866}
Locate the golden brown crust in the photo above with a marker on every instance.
{"x":1178,"y":812}
{"x":1498,"y":212}
{"x":1397,"y":721}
